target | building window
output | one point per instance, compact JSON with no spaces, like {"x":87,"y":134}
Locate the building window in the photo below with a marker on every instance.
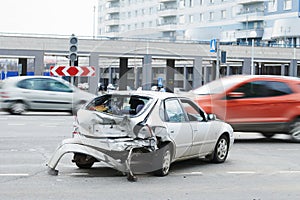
{"x":287,"y":4}
{"x":151,"y":11}
{"x":223,"y":14}
{"x":181,"y":4}
{"x":201,"y":18}
{"x":191,"y":18}
{"x":272,"y":5}
{"x":181,"y":19}
{"x":191,"y":3}
{"x":211,"y":1}
{"x":211,"y":16}
{"x":201,"y":2}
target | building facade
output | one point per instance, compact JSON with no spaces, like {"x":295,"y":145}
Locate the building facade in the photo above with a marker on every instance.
{"x":265,"y":22}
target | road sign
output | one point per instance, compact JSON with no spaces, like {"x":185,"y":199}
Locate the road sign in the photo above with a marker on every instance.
{"x":72,"y":71}
{"x":213,"y":45}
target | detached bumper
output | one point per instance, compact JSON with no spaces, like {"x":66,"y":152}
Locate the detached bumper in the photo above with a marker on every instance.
{"x":98,"y":149}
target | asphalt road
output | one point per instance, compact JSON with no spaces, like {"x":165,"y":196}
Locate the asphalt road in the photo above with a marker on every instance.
{"x":257,"y":168}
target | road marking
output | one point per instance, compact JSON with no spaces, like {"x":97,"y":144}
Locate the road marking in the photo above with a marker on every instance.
{"x":16,"y":124}
{"x":241,"y":172}
{"x":289,"y":149}
{"x":79,"y":174}
{"x":190,"y":173}
{"x":14,"y":174}
{"x":289,"y":172}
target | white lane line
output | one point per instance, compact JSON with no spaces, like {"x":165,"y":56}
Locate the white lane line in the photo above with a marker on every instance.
{"x":295,"y":149}
{"x":241,"y":172}
{"x":14,"y":174}
{"x":15,"y":124}
{"x":289,"y":172}
{"x":79,"y":174}
{"x":190,"y":173}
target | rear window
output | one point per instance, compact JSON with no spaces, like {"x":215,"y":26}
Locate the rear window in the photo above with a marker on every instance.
{"x":119,"y":104}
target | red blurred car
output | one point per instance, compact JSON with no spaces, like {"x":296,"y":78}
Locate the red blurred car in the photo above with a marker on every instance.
{"x":255,"y":103}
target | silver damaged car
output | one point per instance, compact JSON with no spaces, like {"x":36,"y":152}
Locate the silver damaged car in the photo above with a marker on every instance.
{"x":143,"y":131}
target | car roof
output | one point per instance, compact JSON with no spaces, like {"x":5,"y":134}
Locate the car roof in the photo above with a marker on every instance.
{"x":14,"y":79}
{"x":245,"y":77}
{"x":148,"y":93}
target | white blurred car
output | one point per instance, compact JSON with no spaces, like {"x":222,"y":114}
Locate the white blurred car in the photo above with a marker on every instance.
{"x":143,"y":131}
{"x":22,"y":93}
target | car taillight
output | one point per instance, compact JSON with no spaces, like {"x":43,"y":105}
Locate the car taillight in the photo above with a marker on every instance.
{"x":4,"y":95}
{"x":143,"y":131}
{"x":75,"y":127}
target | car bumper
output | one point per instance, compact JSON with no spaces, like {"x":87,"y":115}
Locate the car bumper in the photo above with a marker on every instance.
{"x":102,"y":150}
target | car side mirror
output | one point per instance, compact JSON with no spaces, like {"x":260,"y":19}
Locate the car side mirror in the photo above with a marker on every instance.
{"x":233,"y":95}
{"x":211,"y":116}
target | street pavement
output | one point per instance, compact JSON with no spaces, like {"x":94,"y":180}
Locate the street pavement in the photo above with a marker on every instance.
{"x":257,"y":168}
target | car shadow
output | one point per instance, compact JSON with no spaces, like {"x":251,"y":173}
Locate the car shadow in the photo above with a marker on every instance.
{"x":263,"y":140}
{"x":179,"y":167}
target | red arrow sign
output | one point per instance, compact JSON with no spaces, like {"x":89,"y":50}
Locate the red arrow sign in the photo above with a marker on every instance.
{"x":72,"y":71}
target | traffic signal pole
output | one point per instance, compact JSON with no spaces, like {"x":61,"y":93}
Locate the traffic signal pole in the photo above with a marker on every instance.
{"x":73,"y":53}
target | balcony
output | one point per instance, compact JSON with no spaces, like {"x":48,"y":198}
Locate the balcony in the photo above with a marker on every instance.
{"x":249,"y":1}
{"x":250,"y":33}
{"x":113,"y":9}
{"x":252,"y":15}
{"x":163,"y":1}
{"x":112,"y":21}
{"x":164,"y":11}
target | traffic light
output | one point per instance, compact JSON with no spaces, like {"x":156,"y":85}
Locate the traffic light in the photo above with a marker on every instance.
{"x":73,"y":48}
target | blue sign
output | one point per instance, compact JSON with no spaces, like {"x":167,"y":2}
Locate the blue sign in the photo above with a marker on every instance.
{"x":160,"y":82}
{"x":213,"y":45}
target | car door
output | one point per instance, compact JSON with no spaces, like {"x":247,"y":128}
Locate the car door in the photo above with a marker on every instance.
{"x":203,"y":137}
{"x":51,"y":94}
{"x":178,"y":127}
{"x":263,"y":101}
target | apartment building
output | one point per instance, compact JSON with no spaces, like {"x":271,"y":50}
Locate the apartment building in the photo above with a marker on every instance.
{"x":266,"y":22}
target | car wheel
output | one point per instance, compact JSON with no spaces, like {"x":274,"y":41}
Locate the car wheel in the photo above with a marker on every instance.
{"x":221,"y":150}
{"x":18,"y":108}
{"x":165,"y":161}
{"x":295,"y":130}
{"x":83,"y":161}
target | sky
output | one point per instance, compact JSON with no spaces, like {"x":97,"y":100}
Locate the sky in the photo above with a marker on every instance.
{"x":59,"y":17}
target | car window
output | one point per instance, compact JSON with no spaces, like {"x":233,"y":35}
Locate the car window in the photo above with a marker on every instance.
{"x":54,"y":85}
{"x":258,"y":89}
{"x":173,"y":111}
{"x":26,"y":84}
{"x":193,"y":112}
{"x":119,"y":104}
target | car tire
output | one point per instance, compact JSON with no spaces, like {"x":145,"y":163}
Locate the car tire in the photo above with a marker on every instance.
{"x":295,"y":130}
{"x":83,"y":161}
{"x":165,"y":157}
{"x":221,"y":150}
{"x":18,"y":108}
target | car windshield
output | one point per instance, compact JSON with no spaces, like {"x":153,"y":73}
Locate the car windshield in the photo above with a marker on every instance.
{"x":119,"y":104}
{"x":218,"y":86}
